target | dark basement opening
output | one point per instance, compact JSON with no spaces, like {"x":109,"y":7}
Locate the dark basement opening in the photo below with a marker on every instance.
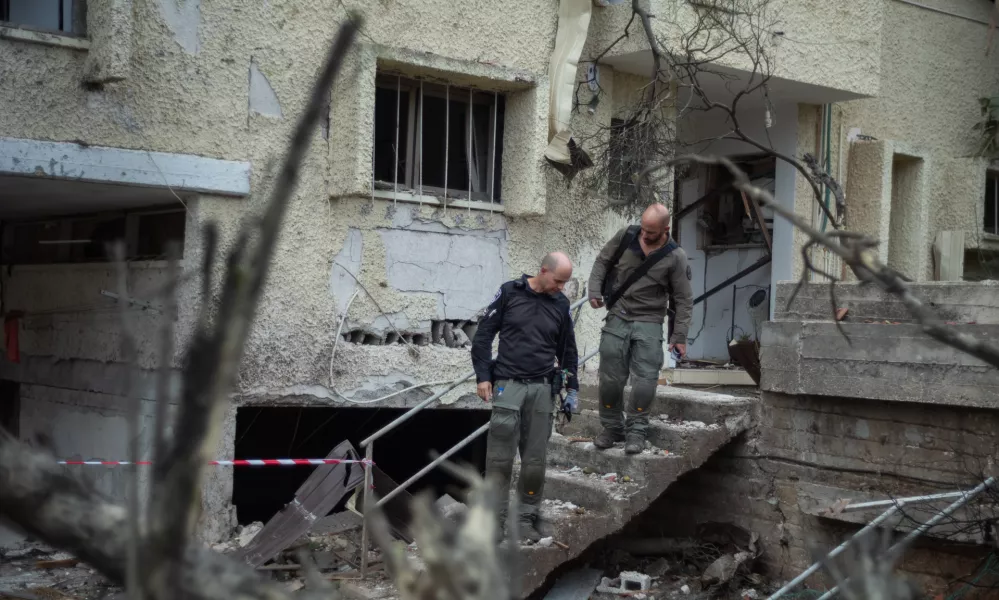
{"x":311,"y":432}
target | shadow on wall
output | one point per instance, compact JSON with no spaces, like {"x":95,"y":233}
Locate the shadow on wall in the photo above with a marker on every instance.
{"x":306,"y":432}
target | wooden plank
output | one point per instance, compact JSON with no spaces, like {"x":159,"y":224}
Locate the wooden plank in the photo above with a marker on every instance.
{"x":327,"y":485}
{"x":760,"y":221}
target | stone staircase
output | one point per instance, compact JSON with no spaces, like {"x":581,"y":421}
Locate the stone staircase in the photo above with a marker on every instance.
{"x":585,"y":504}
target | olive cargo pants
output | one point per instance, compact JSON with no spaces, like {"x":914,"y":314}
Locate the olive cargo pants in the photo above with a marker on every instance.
{"x":521,"y":420}
{"x":635,"y":348}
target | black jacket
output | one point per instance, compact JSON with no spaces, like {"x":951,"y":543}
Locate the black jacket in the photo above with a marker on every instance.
{"x":535,"y":330}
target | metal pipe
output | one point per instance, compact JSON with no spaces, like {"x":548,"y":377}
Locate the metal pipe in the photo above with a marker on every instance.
{"x":368,"y":489}
{"x":447,"y":138}
{"x":835,"y":551}
{"x":409,"y":413}
{"x":765,"y":260}
{"x":904,"y":543}
{"x":492,"y":155}
{"x":395,"y":167}
{"x":963,"y":498}
{"x":471,"y":125}
{"x":909,"y":500}
{"x":433,"y":465}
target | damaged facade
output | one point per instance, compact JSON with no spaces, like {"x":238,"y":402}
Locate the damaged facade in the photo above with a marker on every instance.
{"x":425,"y":189}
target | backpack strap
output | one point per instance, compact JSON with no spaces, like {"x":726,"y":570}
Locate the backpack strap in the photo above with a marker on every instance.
{"x":629,"y":236}
{"x":640,"y":272}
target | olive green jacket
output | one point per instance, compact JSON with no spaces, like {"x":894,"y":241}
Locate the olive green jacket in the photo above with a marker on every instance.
{"x":646,"y":299}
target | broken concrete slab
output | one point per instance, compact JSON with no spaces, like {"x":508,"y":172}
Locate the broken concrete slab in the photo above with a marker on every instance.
{"x":892,"y":362}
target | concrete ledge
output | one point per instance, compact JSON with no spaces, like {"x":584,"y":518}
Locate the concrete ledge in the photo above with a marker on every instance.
{"x":879,"y":362}
{"x":958,"y":301}
{"x":709,"y":377}
{"x":44,"y":38}
{"x":99,"y":164}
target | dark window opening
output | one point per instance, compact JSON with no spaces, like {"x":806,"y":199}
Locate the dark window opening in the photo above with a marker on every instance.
{"x":85,"y":238}
{"x":456,"y":133}
{"x":63,"y":16}
{"x":729,"y":219}
{"x":623,"y":164}
{"x":991,"y":220}
{"x":10,"y":406}
{"x":311,"y":432}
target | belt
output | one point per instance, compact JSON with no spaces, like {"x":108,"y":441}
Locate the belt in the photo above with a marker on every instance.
{"x":532,"y":380}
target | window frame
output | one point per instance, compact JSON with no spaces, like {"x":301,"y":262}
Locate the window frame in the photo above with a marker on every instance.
{"x":408,"y":182}
{"x":75,"y":26}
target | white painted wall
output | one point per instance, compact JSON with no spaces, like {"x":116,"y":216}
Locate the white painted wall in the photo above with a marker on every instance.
{"x":712,"y":320}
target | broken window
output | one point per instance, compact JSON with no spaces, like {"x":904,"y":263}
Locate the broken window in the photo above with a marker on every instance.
{"x":85,"y":238}
{"x":991,"y":220}
{"x":439,"y":140}
{"x":726,"y":216}
{"x":623,"y":166}
{"x":66,"y":16}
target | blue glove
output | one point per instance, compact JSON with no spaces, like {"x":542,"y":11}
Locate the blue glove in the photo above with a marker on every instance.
{"x":571,"y":402}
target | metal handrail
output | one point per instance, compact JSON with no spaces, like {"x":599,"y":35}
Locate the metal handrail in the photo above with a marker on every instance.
{"x":894,"y":506}
{"x":369,"y":445}
{"x":409,"y":413}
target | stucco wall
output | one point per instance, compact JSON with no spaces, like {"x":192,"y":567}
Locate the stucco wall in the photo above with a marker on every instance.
{"x":933,"y":70}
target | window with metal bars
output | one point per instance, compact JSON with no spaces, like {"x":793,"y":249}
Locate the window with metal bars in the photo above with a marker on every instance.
{"x":66,"y":16}
{"x":439,"y":140}
{"x":991,"y":220}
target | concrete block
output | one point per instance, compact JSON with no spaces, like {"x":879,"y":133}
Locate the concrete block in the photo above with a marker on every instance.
{"x":898,"y":363}
{"x":957,"y":301}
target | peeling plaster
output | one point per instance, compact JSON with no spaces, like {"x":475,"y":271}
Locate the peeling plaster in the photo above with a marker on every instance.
{"x":463,"y":269}
{"x":263,"y":99}
{"x":183,"y":17}
{"x":342,"y":285}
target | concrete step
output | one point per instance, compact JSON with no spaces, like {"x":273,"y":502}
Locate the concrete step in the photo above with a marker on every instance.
{"x":673,"y":436}
{"x":681,"y":403}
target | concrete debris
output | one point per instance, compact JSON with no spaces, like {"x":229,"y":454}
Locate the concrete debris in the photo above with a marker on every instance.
{"x":560,"y":505}
{"x":749,"y":594}
{"x":724,"y":568}
{"x":450,"y":508}
{"x":628,"y":583}
{"x":247,"y":533}
{"x":685,"y":589}
{"x":546,"y":542}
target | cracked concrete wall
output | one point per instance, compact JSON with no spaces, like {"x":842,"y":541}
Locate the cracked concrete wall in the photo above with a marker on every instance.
{"x":192,"y":89}
{"x":933,"y":70}
{"x":806,"y":452}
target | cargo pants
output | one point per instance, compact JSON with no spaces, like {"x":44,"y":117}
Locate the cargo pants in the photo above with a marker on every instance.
{"x":629,"y":348}
{"x":521,"y":419}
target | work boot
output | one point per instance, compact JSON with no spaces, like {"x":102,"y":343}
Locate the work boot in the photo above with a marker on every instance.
{"x":533,"y":528}
{"x":607,"y":438}
{"x":634,"y":444}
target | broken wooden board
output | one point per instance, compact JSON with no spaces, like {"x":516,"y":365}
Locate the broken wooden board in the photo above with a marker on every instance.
{"x":327,"y":485}
{"x":964,"y":525}
{"x":396,"y":510}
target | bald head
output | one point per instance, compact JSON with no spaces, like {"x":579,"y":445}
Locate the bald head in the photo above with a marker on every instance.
{"x":655,"y":225}
{"x":556,"y":269}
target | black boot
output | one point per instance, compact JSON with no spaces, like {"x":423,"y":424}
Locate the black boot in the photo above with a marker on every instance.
{"x":634,"y":444}
{"x":607,"y":439}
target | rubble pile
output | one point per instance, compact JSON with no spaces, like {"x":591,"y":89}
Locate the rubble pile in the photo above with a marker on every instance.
{"x":718,"y":564}
{"x":33,"y":571}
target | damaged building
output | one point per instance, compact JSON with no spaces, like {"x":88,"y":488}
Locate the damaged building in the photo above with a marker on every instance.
{"x":430,"y":182}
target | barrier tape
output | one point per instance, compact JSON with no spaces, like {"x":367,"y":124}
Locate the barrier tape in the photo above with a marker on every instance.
{"x":251,"y":462}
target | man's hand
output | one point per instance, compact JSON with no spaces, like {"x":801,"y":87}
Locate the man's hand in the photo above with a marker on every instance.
{"x":571,"y":402}
{"x":681,"y":348}
{"x":485,"y":391}
{"x":596,"y":302}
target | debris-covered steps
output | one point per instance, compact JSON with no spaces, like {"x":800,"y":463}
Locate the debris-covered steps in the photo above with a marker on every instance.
{"x":592,"y":494}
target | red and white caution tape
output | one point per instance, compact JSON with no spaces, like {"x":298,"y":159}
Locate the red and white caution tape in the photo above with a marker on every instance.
{"x":251,"y":462}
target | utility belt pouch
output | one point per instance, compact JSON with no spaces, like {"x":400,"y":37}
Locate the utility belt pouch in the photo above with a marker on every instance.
{"x":557,"y":381}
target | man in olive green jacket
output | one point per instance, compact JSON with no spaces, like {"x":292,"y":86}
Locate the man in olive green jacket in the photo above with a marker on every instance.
{"x":631,"y":341}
